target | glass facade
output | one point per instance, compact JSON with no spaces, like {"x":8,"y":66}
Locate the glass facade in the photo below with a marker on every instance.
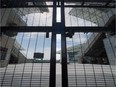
{"x":80,"y":31}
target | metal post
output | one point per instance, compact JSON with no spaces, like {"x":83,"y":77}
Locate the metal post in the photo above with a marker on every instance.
{"x":63,"y":48}
{"x":53,"y":62}
{"x":53,"y":50}
{"x":64,"y":61}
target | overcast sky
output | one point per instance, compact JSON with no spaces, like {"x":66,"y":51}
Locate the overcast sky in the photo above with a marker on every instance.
{"x":33,"y":42}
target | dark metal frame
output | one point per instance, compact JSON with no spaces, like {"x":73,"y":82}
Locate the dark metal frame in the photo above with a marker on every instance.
{"x":13,"y":3}
{"x":63,"y":31}
{"x":53,"y":50}
{"x":43,"y":6}
{"x":58,"y":31}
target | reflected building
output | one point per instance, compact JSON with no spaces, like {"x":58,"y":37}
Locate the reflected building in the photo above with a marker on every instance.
{"x":73,"y":53}
{"x":95,"y":52}
{"x":11,"y":49}
{"x":99,"y":47}
{"x":11,"y":52}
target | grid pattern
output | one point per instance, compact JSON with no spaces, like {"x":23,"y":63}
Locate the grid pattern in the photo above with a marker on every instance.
{"x":88,"y":75}
{"x":98,"y":16}
{"x":31,"y":76}
{"x":34,"y":75}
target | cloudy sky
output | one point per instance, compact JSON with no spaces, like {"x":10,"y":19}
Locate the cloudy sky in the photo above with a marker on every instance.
{"x":36,"y":42}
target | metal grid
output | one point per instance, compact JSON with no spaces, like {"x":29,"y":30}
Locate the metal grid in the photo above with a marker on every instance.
{"x":14,"y":78}
{"x":42,"y":3}
{"x":87,"y":74}
{"x":29,"y":73}
{"x":90,"y":76}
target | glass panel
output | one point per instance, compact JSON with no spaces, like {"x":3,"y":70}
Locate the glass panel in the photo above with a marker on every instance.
{"x":58,"y":19}
{"x":25,"y":57}
{"x":76,"y":17}
{"x":58,"y":62}
{"x":27,"y":61}
{"x":89,"y":63}
{"x":27,"y":17}
{"x":87,"y":16}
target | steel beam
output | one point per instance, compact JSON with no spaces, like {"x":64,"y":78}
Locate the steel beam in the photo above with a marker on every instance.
{"x":20,"y":4}
{"x":108,"y":2}
{"x":26,"y":29}
{"x":65,"y":0}
{"x":85,"y":0}
{"x":64,"y":61}
{"x":90,"y":29}
{"x":63,"y":48}
{"x":52,"y":80}
{"x":66,"y":6}
{"x":50,"y":29}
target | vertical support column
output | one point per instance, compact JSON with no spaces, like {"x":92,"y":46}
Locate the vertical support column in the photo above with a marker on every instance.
{"x":64,"y":61}
{"x":63,"y":48}
{"x":53,"y":62}
{"x":52,"y":80}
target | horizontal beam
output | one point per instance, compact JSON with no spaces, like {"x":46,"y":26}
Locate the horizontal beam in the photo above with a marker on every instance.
{"x":64,"y":0}
{"x":108,"y":2}
{"x":90,"y":29}
{"x":26,"y":29}
{"x":43,"y":6}
{"x":84,"y":0}
{"x":50,"y":29}
{"x":22,"y":3}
